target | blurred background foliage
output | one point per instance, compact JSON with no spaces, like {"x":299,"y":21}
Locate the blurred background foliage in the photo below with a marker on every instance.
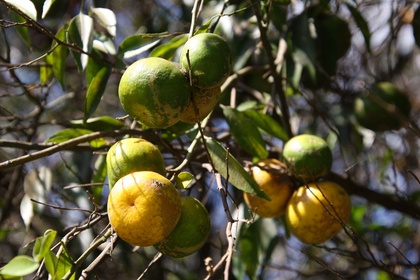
{"x":302,"y":63}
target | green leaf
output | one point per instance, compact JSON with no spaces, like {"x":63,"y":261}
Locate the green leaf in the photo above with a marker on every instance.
{"x":136,"y":44}
{"x":95,"y":90}
{"x":226,"y":165}
{"x":57,"y":58}
{"x":19,"y":266}
{"x":99,"y":176}
{"x":26,"y":6}
{"x":59,"y":267}
{"x":70,"y":133}
{"x":43,"y":245}
{"x":245,"y":132}
{"x":103,"y":123}
{"x":361,"y":23}
{"x":46,"y":7}
{"x":23,"y":30}
{"x":183,"y":180}
{"x":267,"y":123}
{"x":168,"y":49}
{"x":80,"y":34}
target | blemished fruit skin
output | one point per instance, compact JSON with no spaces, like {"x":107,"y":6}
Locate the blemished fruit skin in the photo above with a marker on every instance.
{"x":317,"y":211}
{"x":191,"y":232}
{"x":154,"y":92}
{"x":382,"y":107}
{"x":205,"y":101}
{"x":209,"y":60}
{"x":133,"y":154}
{"x":143,"y":208}
{"x":308,"y":157}
{"x":272,"y":177}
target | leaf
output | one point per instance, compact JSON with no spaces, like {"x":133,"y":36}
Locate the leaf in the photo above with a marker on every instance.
{"x":59,"y":267}
{"x":26,"y":210}
{"x":267,"y":123}
{"x":80,"y":34}
{"x":99,"y":176}
{"x":183,"y":180}
{"x":106,"y":18}
{"x":23,"y":30}
{"x":46,"y":7}
{"x":238,"y":177}
{"x":245,"y":132}
{"x":19,"y":266}
{"x":70,"y":133}
{"x":104,"y":44}
{"x":95,"y":91}
{"x":361,"y":23}
{"x":26,"y":6}
{"x":168,"y":50}
{"x":103,"y":123}
{"x":37,"y":184}
{"x":135,"y":45}
{"x":43,"y":245}
{"x":57,"y":58}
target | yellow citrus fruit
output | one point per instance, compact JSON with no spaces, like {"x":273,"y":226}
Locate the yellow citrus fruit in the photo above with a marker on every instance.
{"x":191,"y":232}
{"x":154,"y":92}
{"x":316,"y":212}
{"x":308,"y":157}
{"x":271,"y":176}
{"x":133,"y":154}
{"x":208,"y":58}
{"x":205,"y":100}
{"x":382,"y":107}
{"x":143,"y":208}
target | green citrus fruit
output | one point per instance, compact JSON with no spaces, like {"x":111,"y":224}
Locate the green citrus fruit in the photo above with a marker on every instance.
{"x":143,"y":208}
{"x":154,"y":92}
{"x":133,"y":154}
{"x":308,"y":157}
{"x":209,"y":60}
{"x":382,"y":107}
{"x":316,"y":212}
{"x":204,"y":100}
{"x":190,"y":233}
{"x":271,"y":176}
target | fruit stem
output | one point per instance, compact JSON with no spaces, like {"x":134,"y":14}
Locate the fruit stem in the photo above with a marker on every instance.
{"x":195,"y":12}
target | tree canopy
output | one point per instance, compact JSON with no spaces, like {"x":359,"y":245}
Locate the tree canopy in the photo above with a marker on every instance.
{"x":298,"y":67}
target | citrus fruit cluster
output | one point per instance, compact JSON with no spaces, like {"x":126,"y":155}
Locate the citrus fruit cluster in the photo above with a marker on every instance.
{"x":382,"y":107}
{"x":145,"y":208}
{"x":158,"y":93}
{"x":318,"y":209}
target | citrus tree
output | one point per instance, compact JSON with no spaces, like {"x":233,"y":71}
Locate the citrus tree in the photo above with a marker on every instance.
{"x":269,"y":139}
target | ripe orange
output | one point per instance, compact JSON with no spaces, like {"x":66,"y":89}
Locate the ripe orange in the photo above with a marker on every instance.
{"x":209,"y":60}
{"x":154,"y":92}
{"x":382,"y":107}
{"x":205,"y":100}
{"x":133,"y":154}
{"x":143,"y":208}
{"x":271,"y":175}
{"x":317,"y":211}
{"x":308,"y":157}
{"x":190,"y":233}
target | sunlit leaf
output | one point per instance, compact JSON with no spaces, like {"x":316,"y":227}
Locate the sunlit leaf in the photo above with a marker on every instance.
{"x":70,"y":133}
{"x":59,"y":267}
{"x":267,"y":123}
{"x":226,"y":165}
{"x":26,"y":6}
{"x":80,"y":34}
{"x":19,"y":266}
{"x":183,"y":180}
{"x":47,"y":6}
{"x":245,"y":132}
{"x":57,"y":58}
{"x":168,"y":50}
{"x":102,"y":123}
{"x":43,"y":245}
{"x":26,"y":210}
{"x":95,"y":90}
{"x":104,"y":44}
{"x":136,"y":44}
{"x":106,"y":18}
